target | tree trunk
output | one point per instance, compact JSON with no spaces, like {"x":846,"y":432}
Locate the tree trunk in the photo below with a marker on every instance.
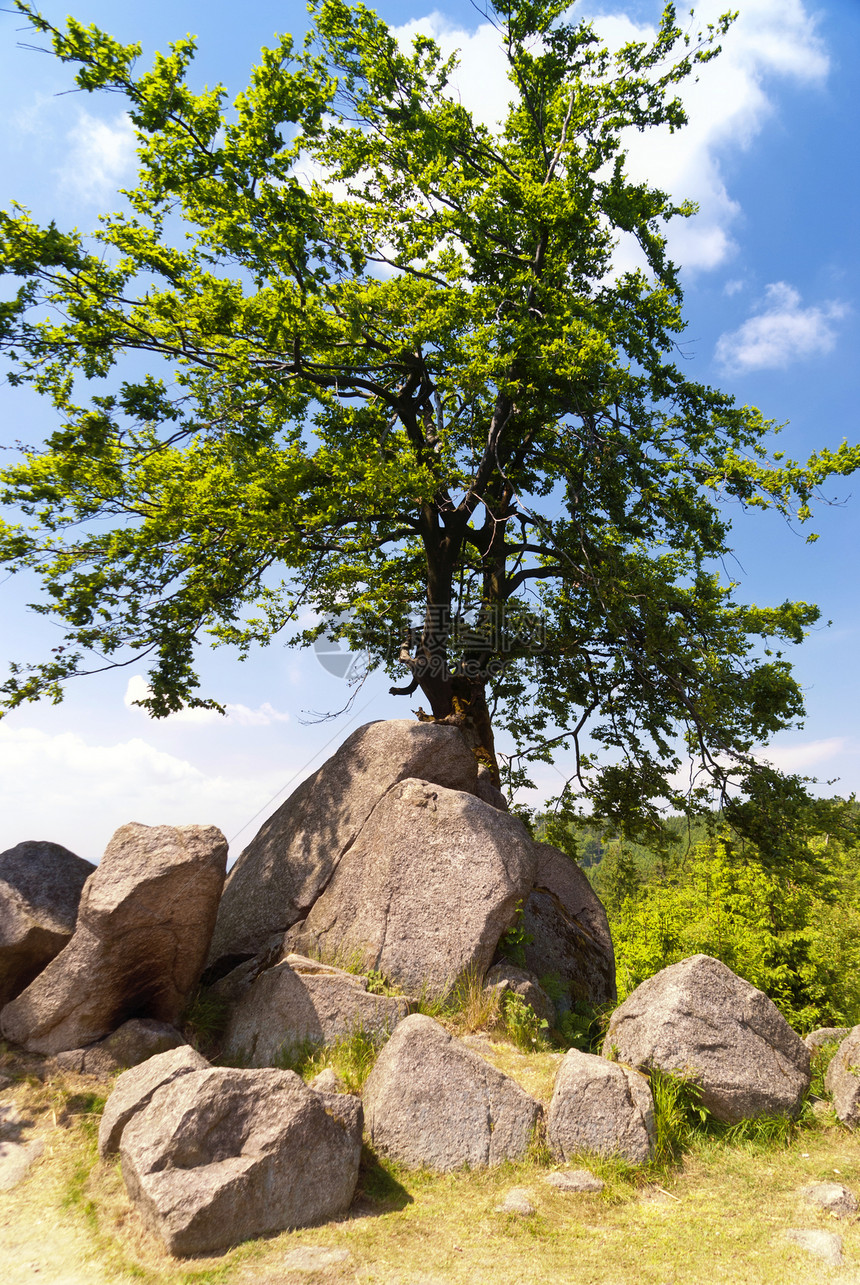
{"x":462,"y":702}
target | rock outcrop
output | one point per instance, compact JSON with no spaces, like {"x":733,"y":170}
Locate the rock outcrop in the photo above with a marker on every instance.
{"x":507,"y":979}
{"x":843,"y":1079}
{"x":300,"y":1001}
{"x":291,"y":860}
{"x":40,"y":889}
{"x":567,"y":932}
{"x":423,"y":895}
{"x":130,"y":1044}
{"x":431,"y":1102}
{"x":220,"y":1155}
{"x":698,"y":1019}
{"x":134,"y":1090}
{"x":143,"y":928}
{"x":600,"y":1107}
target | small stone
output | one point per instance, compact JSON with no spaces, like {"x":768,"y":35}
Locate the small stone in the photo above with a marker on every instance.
{"x":832,"y":1197}
{"x":575,"y":1180}
{"x":313,"y":1258}
{"x":825,"y":1035}
{"x":517,"y":1201}
{"x":328,"y":1081}
{"x":825,"y":1245}
{"x":15,"y":1159}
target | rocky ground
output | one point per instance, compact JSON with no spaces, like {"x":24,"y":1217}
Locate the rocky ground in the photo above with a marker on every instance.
{"x":726,"y":1212}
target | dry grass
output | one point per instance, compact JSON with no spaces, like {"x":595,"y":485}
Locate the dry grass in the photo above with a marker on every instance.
{"x":718,"y":1217}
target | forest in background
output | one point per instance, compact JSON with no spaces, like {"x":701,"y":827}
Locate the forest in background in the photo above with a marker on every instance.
{"x":783,"y":913}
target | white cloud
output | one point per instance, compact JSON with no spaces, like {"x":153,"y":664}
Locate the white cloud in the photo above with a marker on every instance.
{"x":804,"y":757}
{"x":728,"y":106}
{"x":242,"y":715}
{"x":480,"y":82}
{"x":63,"y":788}
{"x":101,"y":156}
{"x":780,"y":332}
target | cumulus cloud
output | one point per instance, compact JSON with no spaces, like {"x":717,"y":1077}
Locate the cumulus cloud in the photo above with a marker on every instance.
{"x":728,"y":106}
{"x":62,"y":787}
{"x":100,"y":158}
{"x":779,"y":332}
{"x":803,"y":757}
{"x":241,"y":715}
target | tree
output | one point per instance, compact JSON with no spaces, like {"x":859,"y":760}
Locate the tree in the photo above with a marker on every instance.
{"x":391,"y":371}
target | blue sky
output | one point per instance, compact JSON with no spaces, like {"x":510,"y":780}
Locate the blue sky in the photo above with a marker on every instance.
{"x":770,"y":268}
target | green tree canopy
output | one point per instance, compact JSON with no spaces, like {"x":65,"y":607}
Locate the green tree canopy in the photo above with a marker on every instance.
{"x":391,"y":369}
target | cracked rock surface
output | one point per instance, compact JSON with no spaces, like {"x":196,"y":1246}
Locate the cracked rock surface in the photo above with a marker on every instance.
{"x":144,"y":923}
{"x":220,"y":1155}
{"x":426,"y":890}
{"x":599,"y":1106}
{"x":698,"y":1019}
{"x":430,"y":1101}
{"x":289,"y":863}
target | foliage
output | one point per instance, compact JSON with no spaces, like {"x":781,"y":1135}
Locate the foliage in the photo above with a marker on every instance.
{"x":512,"y":944}
{"x":391,"y":370}
{"x":204,"y":1020}
{"x":792,"y":932}
{"x":678,"y":1116}
{"x":583,"y":1026}
{"x":352,"y":1057}
{"x":522,"y":1025}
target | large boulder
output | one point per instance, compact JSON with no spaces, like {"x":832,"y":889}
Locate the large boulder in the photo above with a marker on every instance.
{"x":426,"y":890}
{"x":291,"y":860}
{"x":566,"y":931}
{"x":600,"y":1107}
{"x":699,"y":1020}
{"x":300,"y":1001}
{"x":134,"y":1090}
{"x":222,"y":1155}
{"x":40,"y":888}
{"x":430,"y":1101}
{"x":143,"y":928}
{"x":843,"y":1079}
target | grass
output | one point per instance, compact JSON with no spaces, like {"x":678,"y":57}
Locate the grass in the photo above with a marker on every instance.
{"x":715,"y":1212}
{"x":205,"y":1020}
{"x":351,"y":1058}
